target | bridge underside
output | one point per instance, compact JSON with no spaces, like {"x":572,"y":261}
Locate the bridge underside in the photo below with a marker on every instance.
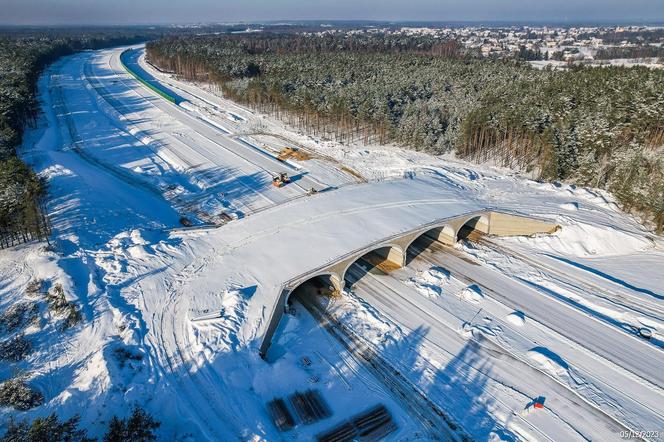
{"x":392,"y":252}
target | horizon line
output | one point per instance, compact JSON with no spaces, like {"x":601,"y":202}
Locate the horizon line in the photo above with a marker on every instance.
{"x":558,"y":21}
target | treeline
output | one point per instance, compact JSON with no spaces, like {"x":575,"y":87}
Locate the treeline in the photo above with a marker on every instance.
{"x":643,"y":51}
{"x":321,"y":43}
{"x":592,"y":126}
{"x":23,"y":55}
{"x":140,"y":426}
{"x":652,"y":35}
{"x":21,"y":217}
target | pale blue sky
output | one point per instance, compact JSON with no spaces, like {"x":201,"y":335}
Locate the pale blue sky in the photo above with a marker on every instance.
{"x":188,"y":11}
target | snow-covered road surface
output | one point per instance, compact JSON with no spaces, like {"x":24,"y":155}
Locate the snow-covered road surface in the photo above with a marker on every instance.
{"x":509,"y":381}
{"x":192,"y":163}
{"x":605,"y":386}
{"x":614,"y":344}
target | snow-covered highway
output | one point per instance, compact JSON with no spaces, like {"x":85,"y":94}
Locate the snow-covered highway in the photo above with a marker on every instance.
{"x":586,"y":372}
{"x":222,"y":144}
{"x":509,"y":380}
{"x":191,"y":161}
{"x":632,"y":353}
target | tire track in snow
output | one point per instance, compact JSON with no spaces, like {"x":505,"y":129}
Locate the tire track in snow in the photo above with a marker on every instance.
{"x":435,"y":422}
{"x":171,"y":334}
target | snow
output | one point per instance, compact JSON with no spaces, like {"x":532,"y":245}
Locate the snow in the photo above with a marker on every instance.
{"x":573,"y":207}
{"x":430,"y":282}
{"x":472,"y":294}
{"x":628,"y":270}
{"x":586,"y":240}
{"x":516,"y":318}
{"x":549,"y":361}
{"x":480,"y":329}
{"x":651,"y":62}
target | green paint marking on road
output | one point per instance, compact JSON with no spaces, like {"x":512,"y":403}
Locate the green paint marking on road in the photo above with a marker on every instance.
{"x":145,"y":83}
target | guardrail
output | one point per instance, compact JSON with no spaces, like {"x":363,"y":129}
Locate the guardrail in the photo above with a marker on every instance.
{"x":158,"y":91}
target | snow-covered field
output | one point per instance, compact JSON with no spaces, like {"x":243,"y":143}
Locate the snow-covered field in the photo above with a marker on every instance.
{"x":481,"y":329}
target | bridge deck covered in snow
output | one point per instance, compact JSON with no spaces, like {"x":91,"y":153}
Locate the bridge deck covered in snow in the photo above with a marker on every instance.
{"x":322,"y":235}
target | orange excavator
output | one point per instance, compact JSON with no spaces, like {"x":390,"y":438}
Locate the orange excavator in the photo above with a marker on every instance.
{"x":281,"y":180}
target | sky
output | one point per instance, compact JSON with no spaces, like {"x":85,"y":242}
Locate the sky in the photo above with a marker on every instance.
{"x":105,"y":12}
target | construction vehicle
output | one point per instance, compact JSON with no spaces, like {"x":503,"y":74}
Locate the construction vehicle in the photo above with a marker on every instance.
{"x":281,"y":180}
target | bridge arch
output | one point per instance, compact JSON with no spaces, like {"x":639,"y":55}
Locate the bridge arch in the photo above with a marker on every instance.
{"x":385,"y":256}
{"x":320,"y":282}
{"x":445,"y":233}
{"x":479,"y":223}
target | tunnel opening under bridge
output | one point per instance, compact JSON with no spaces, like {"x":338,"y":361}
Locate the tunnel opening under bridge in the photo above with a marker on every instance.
{"x":314,"y":294}
{"x":383,"y":259}
{"x":321,"y":286}
{"x":426,"y":241}
{"x":473,"y":229}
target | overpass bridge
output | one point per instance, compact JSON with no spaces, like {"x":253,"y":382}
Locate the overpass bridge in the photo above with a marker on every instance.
{"x":393,"y":250}
{"x":277,"y":250}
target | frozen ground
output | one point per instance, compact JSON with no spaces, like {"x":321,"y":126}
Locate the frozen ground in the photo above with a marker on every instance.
{"x":481,"y":329}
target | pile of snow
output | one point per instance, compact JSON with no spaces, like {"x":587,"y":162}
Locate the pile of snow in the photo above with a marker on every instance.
{"x":585,"y":240}
{"x":122,"y":249}
{"x":365,"y":320}
{"x":56,"y":170}
{"x":430,"y":282}
{"x":224,"y":324}
{"x":472,"y":294}
{"x":549,"y":362}
{"x":516,"y":318}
